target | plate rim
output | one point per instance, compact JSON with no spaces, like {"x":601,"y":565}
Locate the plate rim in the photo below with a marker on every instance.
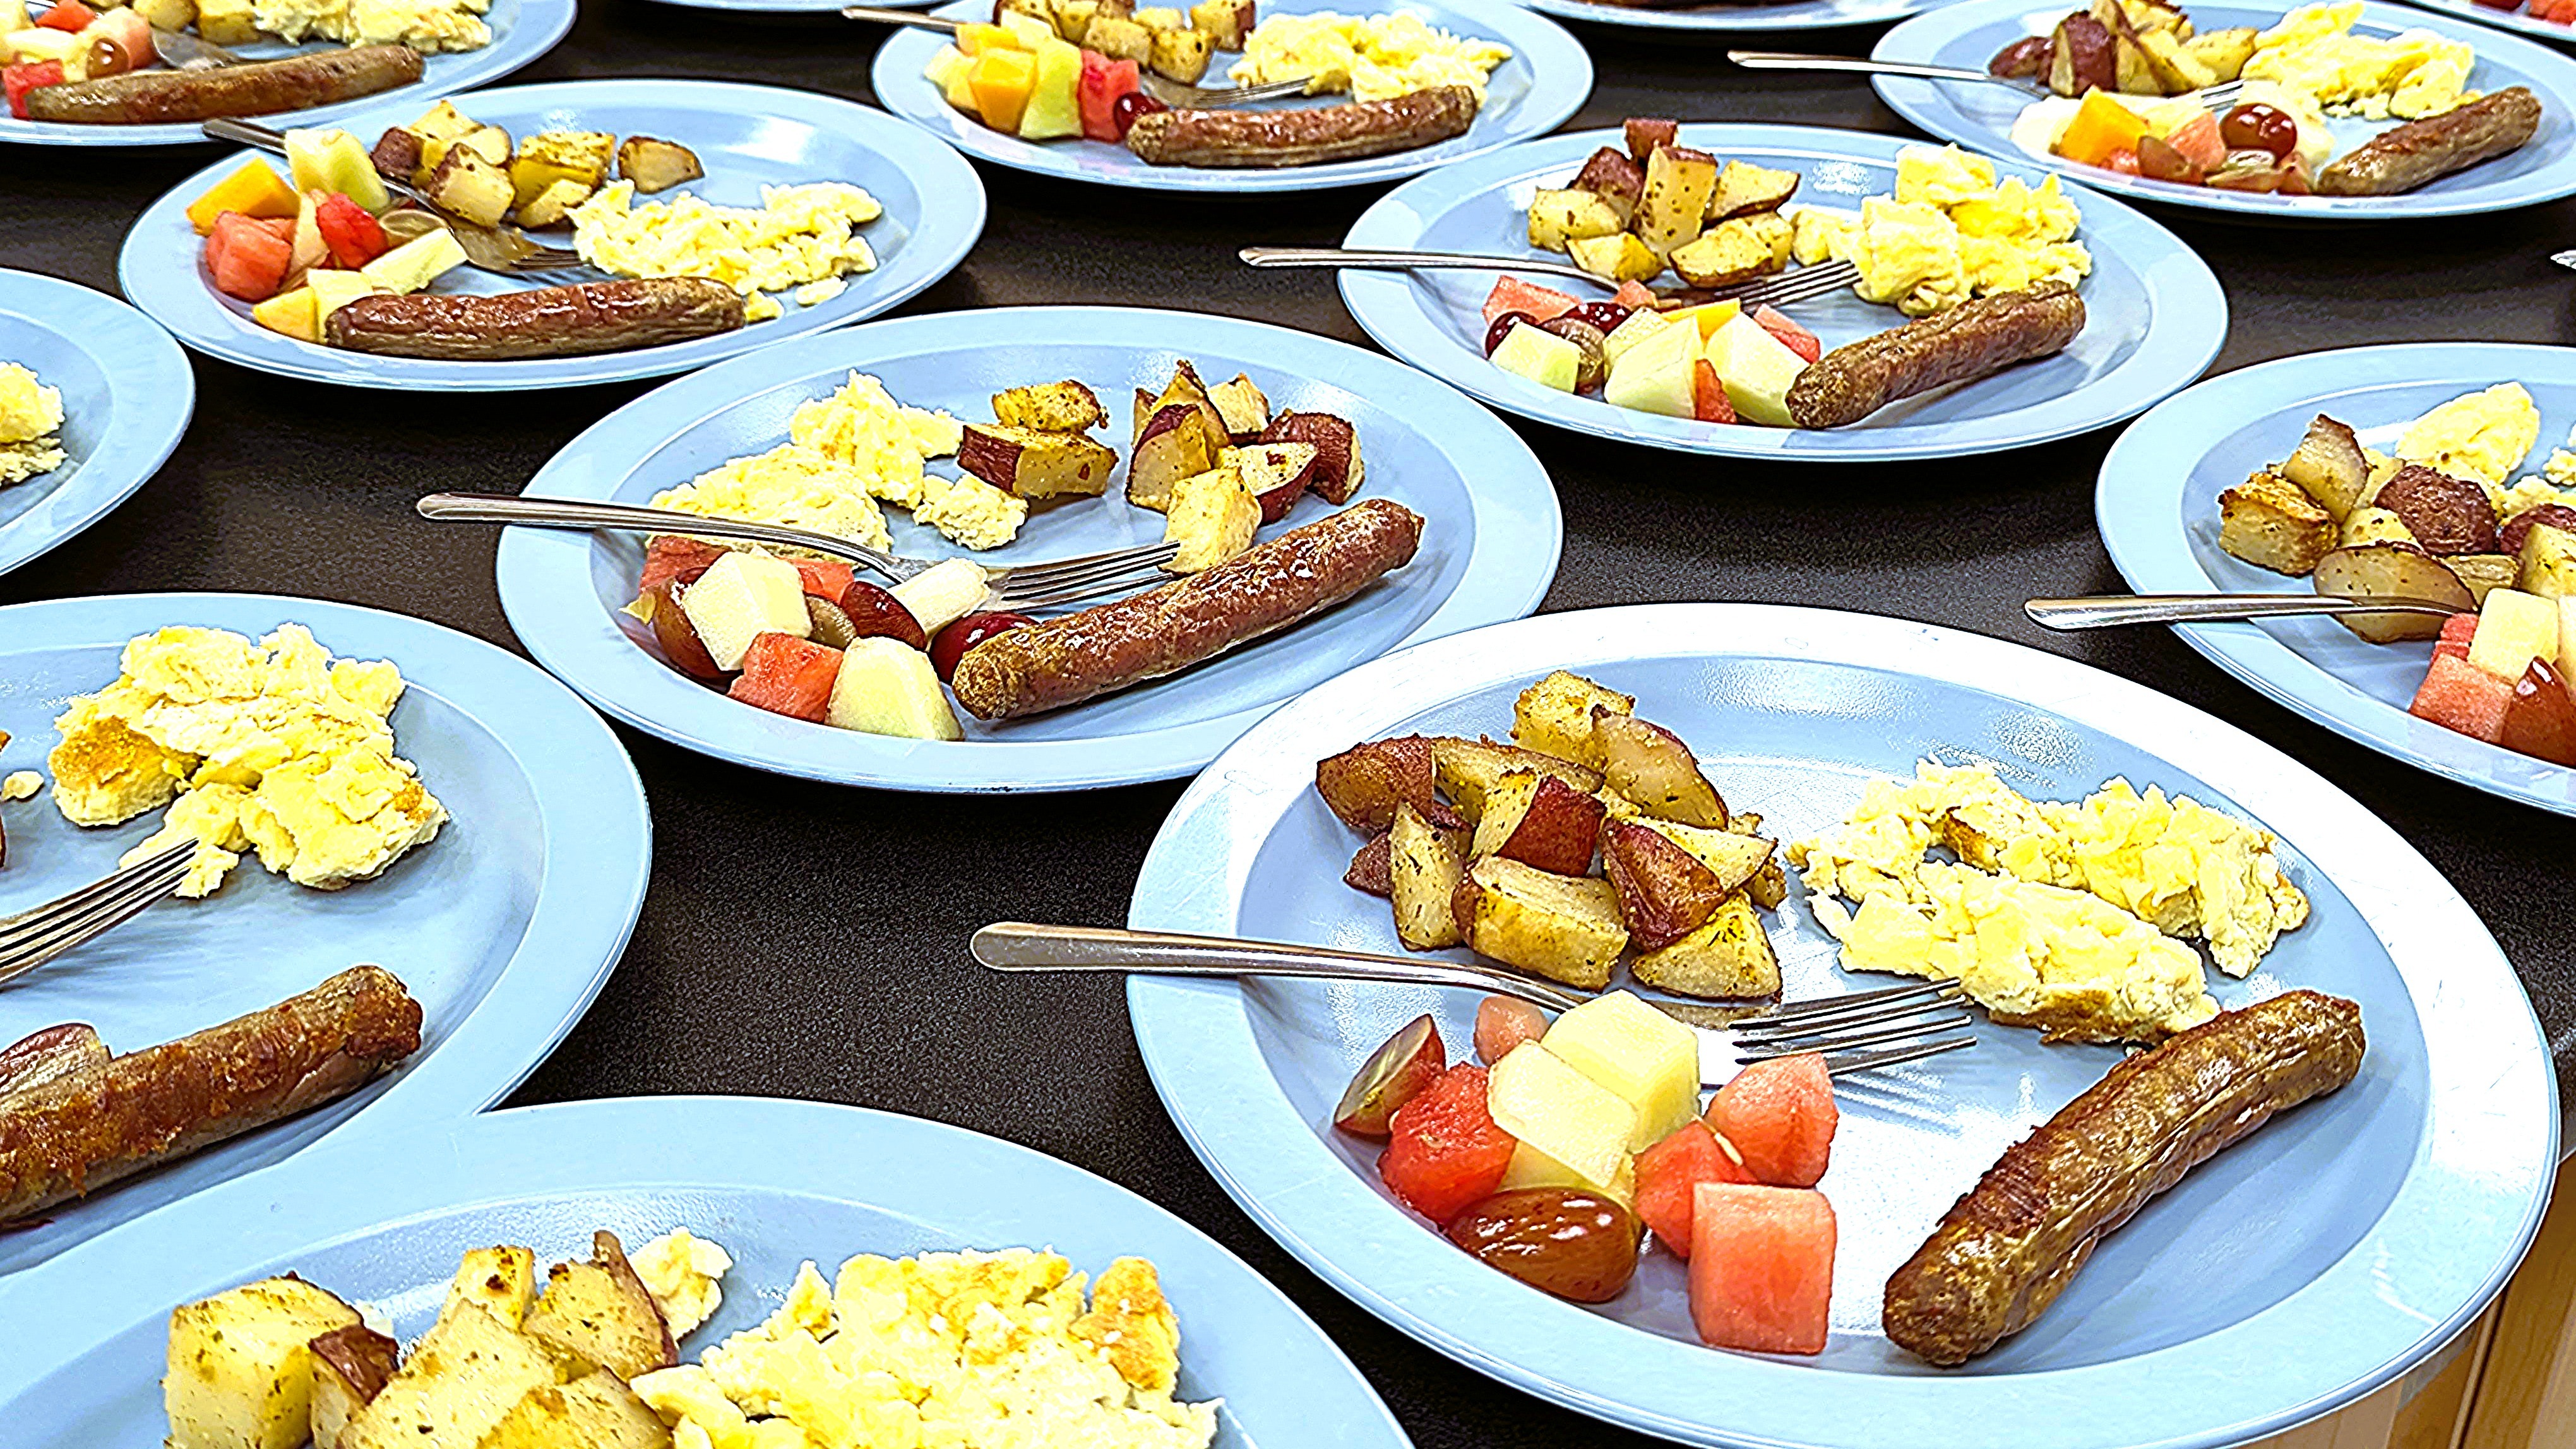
{"x":133,"y":352}
{"x":1917,"y":38}
{"x":2137,"y":509}
{"x":1556,"y":93}
{"x":2516,"y":21}
{"x":952,"y":221}
{"x":543,"y":575}
{"x":1631,"y":18}
{"x":1196,"y":1043}
{"x":1386,"y":307}
{"x":599,"y":846}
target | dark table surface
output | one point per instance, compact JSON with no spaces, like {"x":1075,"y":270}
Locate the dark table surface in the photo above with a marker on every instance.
{"x":294,"y":488}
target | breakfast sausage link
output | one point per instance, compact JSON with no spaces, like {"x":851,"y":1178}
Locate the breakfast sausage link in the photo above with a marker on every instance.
{"x":257,"y":88}
{"x":1303,"y":138}
{"x":568,"y":321}
{"x":1128,"y":641}
{"x":2005,"y":1251}
{"x":2420,"y":151}
{"x":1968,"y":341}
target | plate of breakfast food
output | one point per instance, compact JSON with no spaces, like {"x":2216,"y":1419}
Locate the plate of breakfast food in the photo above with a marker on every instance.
{"x":2217,"y":1013}
{"x":1067,"y":88}
{"x":1948,"y":305}
{"x":2432,"y":472}
{"x":691,"y":221}
{"x":1279,"y":484}
{"x":93,"y":396}
{"x":724,"y":1270}
{"x":410,"y":859}
{"x":146,"y":74}
{"x":1796,"y":15}
{"x":2547,"y":19}
{"x":2344,"y":109}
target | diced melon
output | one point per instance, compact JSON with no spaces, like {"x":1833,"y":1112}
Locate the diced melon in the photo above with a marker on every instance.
{"x":1780,"y":1115}
{"x":37,"y":43}
{"x":1533,"y":1168}
{"x":331,"y":159}
{"x":1641,"y":324}
{"x":1539,"y":304}
{"x":2457,"y":695}
{"x":1707,"y":317}
{"x":887,"y":687}
{"x":416,"y":263}
{"x":1757,"y":369}
{"x":1562,"y":1114}
{"x":1762,"y":1268}
{"x":1542,"y":357}
{"x":741,"y":597}
{"x":943,"y":593}
{"x":2514,"y":628}
{"x":1650,"y":1060}
{"x":1655,"y":375}
{"x":1668,"y":1178}
{"x":1053,"y":109}
{"x":333,"y":289}
{"x":292,"y":314}
{"x":2457,"y":631}
{"x":787,"y":675}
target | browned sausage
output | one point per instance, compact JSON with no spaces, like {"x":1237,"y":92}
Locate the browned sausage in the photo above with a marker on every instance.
{"x":2006,"y":1250}
{"x":1968,"y":341}
{"x":259,"y":88}
{"x":40,"y":1057}
{"x":115,"y":1118}
{"x":2420,"y":151}
{"x":1128,"y":641}
{"x":1303,"y":138}
{"x":570,"y":321}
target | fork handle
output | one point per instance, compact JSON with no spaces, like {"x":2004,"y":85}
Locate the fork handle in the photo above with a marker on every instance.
{"x":247,"y":133}
{"x":510,"y":508}
{"x":1021,"y":946}
{"x":912,"y":18}
{"x":2110,"y":611}
{"x":1344,"y":257}
{"x":1785,"y":60}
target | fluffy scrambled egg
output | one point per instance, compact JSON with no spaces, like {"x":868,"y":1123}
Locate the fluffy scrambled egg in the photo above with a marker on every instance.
{"x":682,"y":1272}
{"x":30,"y":416}
{"x":942,"y":1351}
{"x":21,"y":785}
{"x":2482,"y":435}
{"x":2313,"y":52}
{"x":1950,"y":232}
{"x":1372,"y":57}
{"x":798,"y":236}
{"x":790,"y":484}
{"x":428,"y":26}
{"x":273,"y":746}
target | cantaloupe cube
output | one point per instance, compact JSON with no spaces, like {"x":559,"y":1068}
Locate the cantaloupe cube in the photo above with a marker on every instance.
{"x":1562,"y":1115}
{"x":1650,"y":1060}
{"x":2514,"y":628}
{"x":740,"y":598}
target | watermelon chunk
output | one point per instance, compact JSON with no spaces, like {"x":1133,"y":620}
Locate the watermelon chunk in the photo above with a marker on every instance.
{"x":247,"y":260}
{"x":1796,"y":338}
{"x":2198,"y":141}
{"x":1102,"y":82}
{"x":2457,"y":631}
{"x":1762,"y":1268}
{"x":1444,"y":1152}
{"x":1635,"y":296}
{"x":69,"y":15}
{"x":1668,"y":1177}
{"x":1708,"y":395}
{"x":25,"y":76}
{"x":825,"y":579}
{"x":673,"y":559}
{"x":1780,"y":1115}
{"x":353,"y":237}
{"x":787,"y":675}
{"x":1542,"y":304}
{"x":2457,"y":695}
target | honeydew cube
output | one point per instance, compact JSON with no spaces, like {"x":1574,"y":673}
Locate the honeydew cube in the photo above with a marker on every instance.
{"x":416,"y":263}
{"x":1650,"y":1060}
{"x":744,"y":596}
{"x":332,"y":160}
{"x":1757,"y":369}
{"x":2514,"y":628}
{"x":1542,"y":357}
{"x":887,"y":687}
{"x":1641,"y":324}
{"x":943,"y":593}
{"x":1562,"y":1115}
{"x":1533,"y":1168}
{"x":1655,"y":376}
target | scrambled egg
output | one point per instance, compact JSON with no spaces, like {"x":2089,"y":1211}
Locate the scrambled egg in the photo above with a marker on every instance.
{"x":30,"y":415}
{"x":21,"y":785}
{"x":428,"y":26}
{"x":681,"y":1269}
{"x":790,"y":484}
{"x":274,"y":747}
{"x":2482,"y":435}
{"x":1373,"y":57}
{"x":941,"y":1351}
{"x":799,"y":236}
{"x":2312,"y":52}
{"x":1949,"y":233}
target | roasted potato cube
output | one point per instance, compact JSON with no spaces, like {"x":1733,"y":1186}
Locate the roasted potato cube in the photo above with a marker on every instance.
{"x":2548,"y":563}
{"x":1277,"y":473}
{"x":2081,"y":57}
{"x":241,"y":1365}
{"x":350,"y":1367}
{"x":1729,"y":956}
{"x":2223,"y":53}
{"x":501,"y":1281}
{"x":1427,"y":858}
{"x":1173,"y":445}
{"x":1373,"y":868}
{"x":1745,"y":190}
{"x":2374,"y":525}
{"x":443,"y":122}
{"x":470,"y":186}
{"x":551,"y":206}
{"x":1770,"y":885}
{"x":1363,"y":784}
{"x":2330,"y":467}
{"x":1539,"y":820}
{"x":1466,"y":769}
{"x":1161,"y":17}
{"x":1118,"y":38}
{"x":396,"y":156}
{"x":1665,"y":892}
{"x":1185,"y":386}
{"x":167,"y":14}
{"x":1073,"y":17}
{"x":489,"y":142}
{"x":1559,"y":217}
{"x":1225,"y":22}
{"x":1338,"y":465}
{"x":1643,"y":134}
{"x":1035,"y":464}
{"x":1212,"y":518}
{"x":597,"y":1411}
{"x":2176,"y":69}
{"x":2484,"y":573}
{"x":461,"y":1381}
{"x":551,"y":156}
{"x":2273,"y":524}
{"x":2391,"y":571}
{"x":1050,"y":407}
{"x":599,"y":1315}
{"x":1241,"y":407}
{"x":226,"y":22}
{"x":1616,"y":179}
{"x":1566,"y":928}
{"x":1733,"y":857}
{"x":656,"y":165}
{"x":1180,"y":54}
{"x":1620,"y":258}
{"x":1554,"y":717}
{"x":2446,"y":514}
{"x":1679,"y":182}
{"x":1650,"y":765}
{"x":2129,"y":65}
{"x":1735,"y":251}
{"x":1042,"y":9}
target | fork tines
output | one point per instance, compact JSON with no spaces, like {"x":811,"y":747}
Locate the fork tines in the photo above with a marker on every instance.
{"x":1804,"y":284}
{"x":1858,"y":1033}
{"x":31,"y":938}
{"x":1075,"y":580}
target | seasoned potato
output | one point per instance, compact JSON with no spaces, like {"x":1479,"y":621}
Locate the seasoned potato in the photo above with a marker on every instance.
{"x":470,"y":186}
{"x":1363,"y":784}
{"x":656,"y":165}
{"x":1743,"y":190}
{"x":1770,"y":885}
{"x":1620,"y":258}
{"x":1373,"y":868}
{"x":2329,"y":467}
{"x":443,"y":122}
{"x":1161,"y":17}
{"x":1213,"y":517}
{"x":226,"y":22}
{"x":2176,"y":69}
{"x":2223,"y":53}
{"x":1557,"y":218}
{"x":2484,"y":573}
{"x":1732,"y":858}
{"x":598,"y":1314}
{"x":551,"y":156}
{"x":167,"y":14}
{"x":1538,"y":820}
{"x":502,"y":1281}
{"x":1665,"y":892}
{"x":2446,"y":514}
{"x":2548,"y":562}
{"x":1566,"y":928}
{"x":1650,"y":765}
{"x":594,"y":1412}
{"x":1466,"y":769}
{"x":1610,"y":175}
{"x":2391,"y":571}
{"x":1181,"y":54}
{"x":1118,"y":38}
{"x":1226,"y":22}
{"x":1679,"y":182}
{"x":1554,"y":716}
{"x":2373,"y":525}
{"x":1729,"y":956}
{"x":2273,"y":524}
{"x":1427,"y":856}
{"x":1035,"y":464}
{"x":1050,"y":407}
{"x":461,"y":1381}
{"x":1736,"y":251}
{"x":1174,"y":445}
{"x":1242,"y":408}
{"x":350,"y":1367}
{"x":240,"y":1366}
{"x":551,"y":206}
{"x":1185,"y":387}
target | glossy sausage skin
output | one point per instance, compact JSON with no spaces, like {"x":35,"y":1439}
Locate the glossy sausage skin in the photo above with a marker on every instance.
{"x":1303,"y":138}
{"x":259,"y":88}
{"x":42,"y":1056}
{"x":2006,"y":1250}
{"x":1128,"y":641}
{"x":2420,"y":151}
{"x":117,"y":1117}
{"x":1968,"y":341}
{"x":571,"y":321}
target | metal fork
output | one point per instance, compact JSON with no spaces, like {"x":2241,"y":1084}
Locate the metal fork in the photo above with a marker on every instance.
{"x":29,"y":939}
{"x":1057,"y":584}
{"x":2111,"y":611}
{"x":2216,"y":97}
{"x":1797,"y":286}
{"x":1170,"y":92}
{"x":504,"y":249}
{"x":1854,"y":1033}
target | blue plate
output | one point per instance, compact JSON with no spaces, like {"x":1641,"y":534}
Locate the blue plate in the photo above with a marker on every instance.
{"x":1799,"y":15}
{"x":2154,"y":314}
{"x":2336,"y":1247}
{"x":746,"y":136}
{"x":1980,"y":117}
{"x":1488,"y":553}
{"x":2515,"y":20}
{"x":776,"y":1183}
{"x":127,"y":394}
{"x":503,"y":927}
{"x":522,"y":30}
{"x":1533,"y":93}
{"x":2158,"y":509}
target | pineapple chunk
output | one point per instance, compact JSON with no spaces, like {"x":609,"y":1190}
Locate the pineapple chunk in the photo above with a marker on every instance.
{"x":2514,"y":628}
{"x":416,"y":263}
{"x":291,"y":314}
{"x":333,"y":289}
{"x":887,"y":687}
{"x":1530,"y":1167}
{"x":1646,"y":1058}
{"x":943,"y":593}
{"x":742,"y":597}
{"x":1562,"y":1115}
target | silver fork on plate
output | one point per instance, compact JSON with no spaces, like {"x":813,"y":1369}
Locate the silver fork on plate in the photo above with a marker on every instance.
{"x":1057,"y":584}
{"x":2217,"y":97}
{"x":31,"y":938}
{"x":1170,"y":92}
{"x":1856,"y":1033}
{"x":1804,"y":284}
{"x":504,"y":249}
{"x":2111,"y":611}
